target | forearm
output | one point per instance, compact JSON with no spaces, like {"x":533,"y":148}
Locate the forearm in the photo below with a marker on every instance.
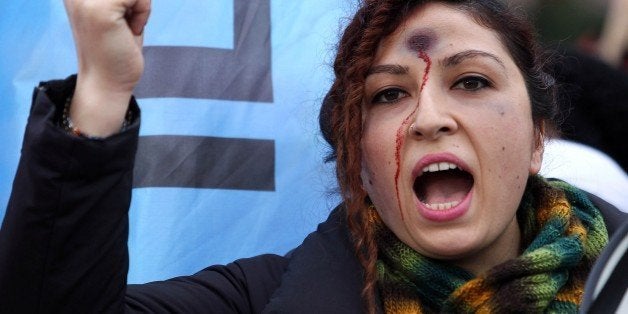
{"x":63,"y":240}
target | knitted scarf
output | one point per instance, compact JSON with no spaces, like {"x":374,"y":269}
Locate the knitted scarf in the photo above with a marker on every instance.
{"x":563,"y":234}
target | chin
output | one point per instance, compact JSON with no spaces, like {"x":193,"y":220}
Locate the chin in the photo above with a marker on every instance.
{"x":451,"y":246}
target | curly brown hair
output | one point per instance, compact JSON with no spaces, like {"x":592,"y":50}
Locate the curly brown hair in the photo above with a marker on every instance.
{"x":341,"y":113}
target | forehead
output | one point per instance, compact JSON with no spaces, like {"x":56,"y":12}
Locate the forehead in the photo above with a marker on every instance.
{"x":438,"y":28}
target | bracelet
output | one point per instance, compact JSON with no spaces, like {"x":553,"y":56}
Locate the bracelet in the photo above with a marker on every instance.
{"x":69,"y":127}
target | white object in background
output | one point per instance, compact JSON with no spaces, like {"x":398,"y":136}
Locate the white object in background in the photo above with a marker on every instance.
{"x":588,"y":169}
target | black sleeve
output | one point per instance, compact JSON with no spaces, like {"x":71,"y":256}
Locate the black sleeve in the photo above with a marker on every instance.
{"x":244,"y":286}
{"x":63,"y":242}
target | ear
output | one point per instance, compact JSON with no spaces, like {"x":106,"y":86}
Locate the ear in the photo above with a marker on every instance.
{"x":536,"y":159}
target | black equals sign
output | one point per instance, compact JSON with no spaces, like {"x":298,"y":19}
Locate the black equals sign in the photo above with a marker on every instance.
{"x":243,"y":73}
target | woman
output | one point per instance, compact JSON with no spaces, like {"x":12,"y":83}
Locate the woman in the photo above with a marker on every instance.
{"x":436,"y":118}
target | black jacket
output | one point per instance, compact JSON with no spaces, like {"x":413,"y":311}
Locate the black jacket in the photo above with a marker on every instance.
{"x":63,"y":242}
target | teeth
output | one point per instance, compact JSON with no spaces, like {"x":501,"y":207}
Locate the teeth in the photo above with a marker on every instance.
{"x":433,"y":167}
{"x":442,"y":206}
{"x":440,"y":166}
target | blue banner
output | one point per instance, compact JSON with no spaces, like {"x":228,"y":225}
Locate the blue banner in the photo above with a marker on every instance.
{"x":230,"y":159}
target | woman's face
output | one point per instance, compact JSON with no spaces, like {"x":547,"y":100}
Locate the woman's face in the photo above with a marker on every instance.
{"x":448,"y":140}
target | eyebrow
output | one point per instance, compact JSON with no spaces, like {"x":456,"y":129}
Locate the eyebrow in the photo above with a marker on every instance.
{"x":394,"y":69}
{"x":469,"y":54}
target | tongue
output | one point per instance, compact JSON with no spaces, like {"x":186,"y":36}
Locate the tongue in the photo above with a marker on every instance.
{"x":444,"y":187}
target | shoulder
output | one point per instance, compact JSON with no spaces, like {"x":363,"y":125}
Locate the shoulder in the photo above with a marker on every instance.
{"x":606,"y":287}
{"x":243,"y":286}
{"x":613,"y":217}
{"x":323,"y":275}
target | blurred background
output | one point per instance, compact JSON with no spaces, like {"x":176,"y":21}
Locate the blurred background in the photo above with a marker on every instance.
{"x":590,"y":41}
{"x":595,"y":27}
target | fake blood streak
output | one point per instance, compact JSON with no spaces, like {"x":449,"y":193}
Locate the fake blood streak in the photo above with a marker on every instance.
{"x":401,"y":131}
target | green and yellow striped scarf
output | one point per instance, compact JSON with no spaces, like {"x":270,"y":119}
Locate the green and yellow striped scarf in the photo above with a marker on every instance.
{"x":563,"y":234}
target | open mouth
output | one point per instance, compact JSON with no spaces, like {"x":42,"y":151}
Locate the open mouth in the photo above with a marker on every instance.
{"x":442,"y":185}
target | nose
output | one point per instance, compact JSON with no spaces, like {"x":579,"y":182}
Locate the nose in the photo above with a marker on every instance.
{"x":432,"y":118}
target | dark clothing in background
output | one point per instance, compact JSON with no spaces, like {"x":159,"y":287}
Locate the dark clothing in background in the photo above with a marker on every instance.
{"x":594,"y":104}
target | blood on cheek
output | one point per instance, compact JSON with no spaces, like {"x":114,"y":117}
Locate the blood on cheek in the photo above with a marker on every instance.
{"x":401,"y":132}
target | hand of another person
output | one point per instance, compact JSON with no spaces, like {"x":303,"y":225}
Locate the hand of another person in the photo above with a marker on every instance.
{"x":108,"y":39}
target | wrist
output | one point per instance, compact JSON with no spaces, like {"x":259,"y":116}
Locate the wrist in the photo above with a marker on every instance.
{"x":95,"y":109}
{"x":69,"y":126}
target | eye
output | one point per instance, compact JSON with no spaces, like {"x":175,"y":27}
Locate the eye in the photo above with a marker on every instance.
{"x":472,"y":83}
{"x":390,"y":95}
